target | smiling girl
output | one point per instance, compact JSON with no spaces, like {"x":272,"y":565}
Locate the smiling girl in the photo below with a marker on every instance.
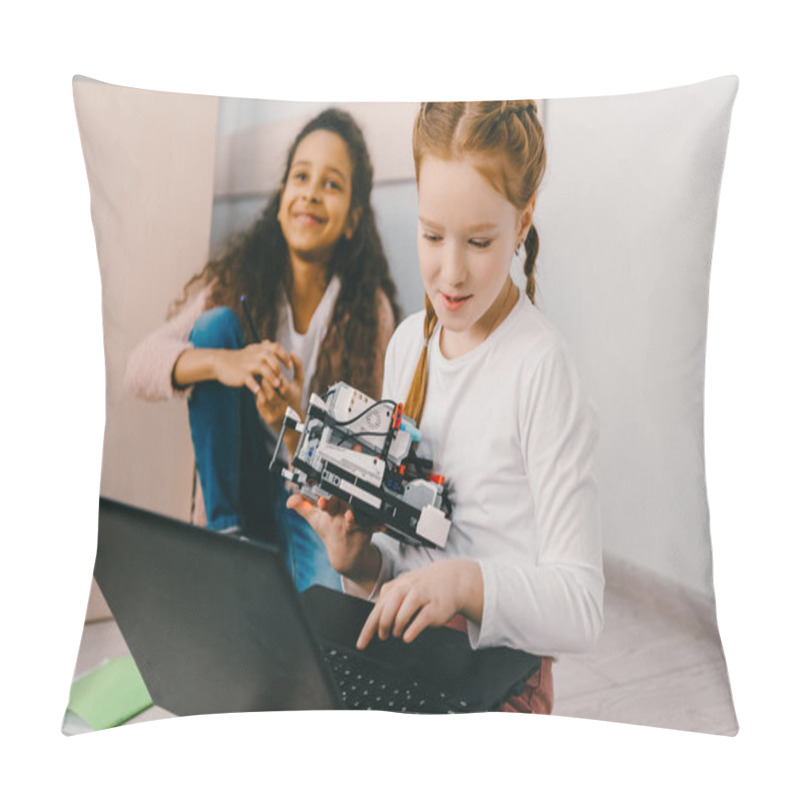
{"x":501,"y":414}
{"x":315,"y":276}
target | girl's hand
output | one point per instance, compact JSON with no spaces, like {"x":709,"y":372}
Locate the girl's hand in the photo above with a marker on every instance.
{"x":273,"y":397}
{"x":240,"y":367}
{"x":292,"y":391}
{"x":426,"y":597}
{"x":349,"y":545}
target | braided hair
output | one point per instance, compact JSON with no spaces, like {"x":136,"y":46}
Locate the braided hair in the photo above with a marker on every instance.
{"x":504,"y":142}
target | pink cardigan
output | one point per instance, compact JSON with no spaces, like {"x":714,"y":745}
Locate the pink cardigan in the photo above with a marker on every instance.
{"x":149,"y":370}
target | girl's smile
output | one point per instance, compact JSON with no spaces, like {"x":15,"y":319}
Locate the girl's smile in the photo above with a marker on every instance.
{"x":306,"y":218}
{"x":455,"y":303}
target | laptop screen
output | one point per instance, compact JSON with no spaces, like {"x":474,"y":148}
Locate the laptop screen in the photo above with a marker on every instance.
{"x":212,"y":621}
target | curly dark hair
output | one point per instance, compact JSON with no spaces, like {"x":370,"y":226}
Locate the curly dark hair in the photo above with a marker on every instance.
{"x":255,"y":262}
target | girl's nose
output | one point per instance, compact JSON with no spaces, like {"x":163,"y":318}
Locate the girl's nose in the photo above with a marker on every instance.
{"x":312,"y":191}
{"x":453,"y":267}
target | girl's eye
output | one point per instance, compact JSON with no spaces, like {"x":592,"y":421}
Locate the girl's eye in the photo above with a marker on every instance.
{"x":431,"y":237}
{"x":299,"y":176}
{"x":480,"y":243}
{"x":330,"y":184}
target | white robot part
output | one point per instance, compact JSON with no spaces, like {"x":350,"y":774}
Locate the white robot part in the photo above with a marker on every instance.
{"x":420,"y":493}
{"x":433,"y":525}
{"x":292,"y":417}
{"x":361,"y":465}
{"x":366,"y":420}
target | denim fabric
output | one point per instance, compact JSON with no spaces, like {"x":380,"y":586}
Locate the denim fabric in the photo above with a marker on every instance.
{"x":232,"y":452}
{"x":221,"y":420}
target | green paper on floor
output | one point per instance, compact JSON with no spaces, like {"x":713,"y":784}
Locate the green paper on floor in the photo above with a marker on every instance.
{"x":109,"y":695}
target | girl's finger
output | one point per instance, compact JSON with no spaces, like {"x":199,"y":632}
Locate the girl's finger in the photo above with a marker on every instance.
{"x":423,"y":620}
{"x":270,"y":370}
{"x":388,"y":608}
{"x":270,"y":395}
{"x":373,"y":622}
{"x":299,"y":375}
{"x":405,"y":613}
{"x":294,"y":500}
{"x":281,"y":353}
{"x":306,"y":509}
{"x":273,"y":363}
{"x":267,"y":346}
{"x":368,"y":631}
{"x":333,"y":506}
{"x":253,"y":385}
{"x":276,"y":378}
{"x":299,"y":504}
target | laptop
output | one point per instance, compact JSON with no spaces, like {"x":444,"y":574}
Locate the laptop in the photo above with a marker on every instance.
{"x":215,"y":624}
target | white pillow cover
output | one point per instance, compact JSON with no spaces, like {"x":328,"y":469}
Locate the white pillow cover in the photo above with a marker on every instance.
{"x":626,"y":219}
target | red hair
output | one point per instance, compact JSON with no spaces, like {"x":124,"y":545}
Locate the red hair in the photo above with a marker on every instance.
{"x":504,"y":141}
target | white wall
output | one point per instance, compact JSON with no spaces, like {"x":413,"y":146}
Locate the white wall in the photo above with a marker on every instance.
{"x":626,"y":218}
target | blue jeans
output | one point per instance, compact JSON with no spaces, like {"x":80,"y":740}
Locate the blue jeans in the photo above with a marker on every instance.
{"x":232,"y":453}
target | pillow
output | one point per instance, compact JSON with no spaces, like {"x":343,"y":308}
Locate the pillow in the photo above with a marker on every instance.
{"x":626,"y":219}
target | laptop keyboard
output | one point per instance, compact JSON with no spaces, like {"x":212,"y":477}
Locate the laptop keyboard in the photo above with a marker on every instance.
{"x":366,"y":685}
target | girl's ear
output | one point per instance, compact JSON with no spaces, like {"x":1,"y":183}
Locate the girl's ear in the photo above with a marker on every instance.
{"x":352,"y":223}
{"x":525,"y":221}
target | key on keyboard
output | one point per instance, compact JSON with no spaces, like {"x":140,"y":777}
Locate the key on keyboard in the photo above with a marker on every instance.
{"x":366,"y":685}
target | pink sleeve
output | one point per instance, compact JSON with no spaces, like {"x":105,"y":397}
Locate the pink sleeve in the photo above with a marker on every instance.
{"x":149,"y":372}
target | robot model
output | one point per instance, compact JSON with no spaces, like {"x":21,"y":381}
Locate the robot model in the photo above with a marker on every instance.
{"x":359,"y":450}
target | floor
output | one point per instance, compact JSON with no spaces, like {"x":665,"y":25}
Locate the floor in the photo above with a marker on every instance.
{"x":659,"y":660}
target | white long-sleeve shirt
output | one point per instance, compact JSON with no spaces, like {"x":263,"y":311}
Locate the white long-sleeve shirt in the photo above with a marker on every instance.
{"x":509,"y":428}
